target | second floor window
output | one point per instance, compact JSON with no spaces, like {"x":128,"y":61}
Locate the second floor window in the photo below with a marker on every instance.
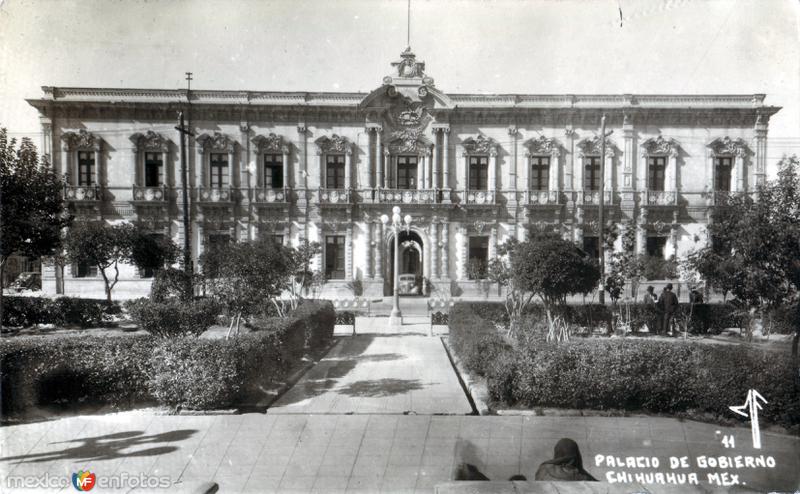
{"x":153,"y":166}
{"x":591,"y":173}
{"x":591,"y":245}
{"x":540,"y":172}
{"x":85,"y":168}
{"x":334,"y":257}
{"x":334,"y":171}
{"x":406,"y":172}
{"x":219,"y":170}
{"x":273,"y":171}
{"x":478,"y":172}
{"x":722,"y":174}
{"x":656,"y":169}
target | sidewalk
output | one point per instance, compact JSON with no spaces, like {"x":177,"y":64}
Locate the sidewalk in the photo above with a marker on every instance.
{"x":360,"y":453}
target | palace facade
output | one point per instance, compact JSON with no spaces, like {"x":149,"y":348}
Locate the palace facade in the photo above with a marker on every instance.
{"x":472,"y":170}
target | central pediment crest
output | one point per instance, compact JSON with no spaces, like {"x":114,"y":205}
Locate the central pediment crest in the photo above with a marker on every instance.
{"x":82,"y":139}
{"x":216,"y":142}
{"x":660,"y":145}
{"x":726,"y":146}
{"x":152,"y":141}
{"x":270,"y":143}
{"x":409,"y":140}
{"x":334,"y":144}
{"x":542,"y":146}
{"x":480,"y":145}
{"x":593,"y":146}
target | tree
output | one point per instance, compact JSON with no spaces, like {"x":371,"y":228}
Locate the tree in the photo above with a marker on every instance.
{"x":754,"y":248}
{"x":247,"y":275}
{"x":624,"y":265}
{"x":552,"y":269}
{"x":33,"y":212}
{"x":102,"y":245}
{"x":301,"y":275}
{"x":151,"y":252}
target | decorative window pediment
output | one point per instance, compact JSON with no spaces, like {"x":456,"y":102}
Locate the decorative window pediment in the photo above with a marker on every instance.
{"x":725,"y":146}
{"x":592,"y":146}
{"x":480,"y":145}
{"x":660,"y":146}
{"x":81,"y":140}
{"x":150,"y":141}
{"x":270,"y":144}
{"x":543,"y":146}
{"x":334,"y":144}
{"x":216,"y":142}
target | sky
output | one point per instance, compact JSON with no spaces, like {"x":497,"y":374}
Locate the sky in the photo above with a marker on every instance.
{"x":501,"y":46}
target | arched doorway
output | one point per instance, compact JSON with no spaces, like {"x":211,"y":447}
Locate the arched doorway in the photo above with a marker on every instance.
{"x":411,"y":262}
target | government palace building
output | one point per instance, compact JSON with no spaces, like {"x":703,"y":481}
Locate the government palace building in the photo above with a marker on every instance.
{"x":472,"y":170}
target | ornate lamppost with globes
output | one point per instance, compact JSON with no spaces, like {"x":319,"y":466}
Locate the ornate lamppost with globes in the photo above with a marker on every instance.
{"x":397,"y":223}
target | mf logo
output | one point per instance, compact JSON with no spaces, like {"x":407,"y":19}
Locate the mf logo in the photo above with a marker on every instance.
{"x":83,"y":480}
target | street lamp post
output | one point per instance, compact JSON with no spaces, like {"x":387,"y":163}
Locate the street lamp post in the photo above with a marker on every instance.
{"x":397,"y":222}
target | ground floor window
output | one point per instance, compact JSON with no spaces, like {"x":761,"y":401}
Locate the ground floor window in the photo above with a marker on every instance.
{"x":334,"y":257}
{"x":149,"y":272}
{"x":84,"y":270}
{"x":278,"y":239}
{"x":478,"y":257}
{"x":591,"y":245}
{"x":655,"y":246}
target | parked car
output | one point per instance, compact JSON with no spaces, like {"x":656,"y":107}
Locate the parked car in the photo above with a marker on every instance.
{"x":28,"y":280}
{"x":408,"y":284}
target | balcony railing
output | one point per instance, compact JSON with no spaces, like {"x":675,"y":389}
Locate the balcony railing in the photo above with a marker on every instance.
{"x":334,"y":196}
{"x":592,"y":197}
{"x":407,"y":196}
{"x":659,"y":198}
{"x":269,"y":195}
{"x":146,"y":194}
{"x":542,"y":197}
{"x":214,"y":195}
{"x":79,"y":193}
{"x":479,"y":197}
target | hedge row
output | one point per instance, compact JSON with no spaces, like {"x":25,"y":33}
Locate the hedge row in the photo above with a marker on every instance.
{"x":682,"y":378}
{"x":62,"y":311}
{"x":180,"y":372}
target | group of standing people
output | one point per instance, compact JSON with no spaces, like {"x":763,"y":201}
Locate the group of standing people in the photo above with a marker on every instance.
{"x":666,"y":306}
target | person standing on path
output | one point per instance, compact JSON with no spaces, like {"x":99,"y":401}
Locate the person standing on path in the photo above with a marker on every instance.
{"x":566,"y":464}
{"x":668,"y":303}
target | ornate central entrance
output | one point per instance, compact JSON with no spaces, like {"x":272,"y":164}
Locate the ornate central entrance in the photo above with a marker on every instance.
{"x":411,"y":263}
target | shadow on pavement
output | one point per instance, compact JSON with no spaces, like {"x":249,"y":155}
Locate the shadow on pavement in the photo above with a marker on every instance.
{"x":375,"y":388}
{"x":108,"y":447}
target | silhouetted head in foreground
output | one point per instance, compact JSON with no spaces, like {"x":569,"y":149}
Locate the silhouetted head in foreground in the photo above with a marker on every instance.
{"x":567,"y":463}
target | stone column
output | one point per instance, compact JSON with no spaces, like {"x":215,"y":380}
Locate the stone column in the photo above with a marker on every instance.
{"x":348,"y":168}
{"x":671,"y":173}
{"x":554,"y":169}
{"x":492,"y":243}
{"x":446,"y":163}
{"x":387,"y":158}
{"x":231,"y":174}
{"x":379,"y":252}
{"x":641,"y":232}
{"x":641,"y":171}
{"x":66,"y":164}
{"x":377,"y":158}
{"x":98,"y":155}
{"x":609,"y":177}
{"x":492,"y":182}
{"x":435,"y":164}
{"x":761,"y":150}
{"x":302,"y":137}
{"x":286,"y":174}
{"x":348,"y":256}
{"x":370,"y":268}
{"x":463,"y":248}
{"x":712,"y":172}
{"x":569,"y":166}
{"x":465,"y":172}
{"x":321,"y":173}
{"x":420,"y":172}
{"x":512,"y":169}
{"x":434,"y":250}
{"x":200,"y":173}
{"x":627,"y":154}
{"x":445,"y":271}
{"x":526,"y":176}
{"x":740,"y":171}
{"x":47,"y":140}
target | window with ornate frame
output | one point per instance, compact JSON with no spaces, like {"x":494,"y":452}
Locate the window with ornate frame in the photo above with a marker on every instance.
{"x":86,"y":166}
{"x":656,"y":172}
{"x":153,"y":169}
{"x":478,"y":257}
{"x":540,"y":173}
{"x":334,"y":257}
{"x":218,"y":168}
{"x":273,"y":171}
{"x":407,"y":172}
{"x":591,"y":173}
{"x":479,"y":172}
{"x":723,"y":168}
{"x":334,"y":171}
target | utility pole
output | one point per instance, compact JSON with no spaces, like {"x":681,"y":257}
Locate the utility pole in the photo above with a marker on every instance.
{"x":600,"y":219}
{"x":187,"y":226}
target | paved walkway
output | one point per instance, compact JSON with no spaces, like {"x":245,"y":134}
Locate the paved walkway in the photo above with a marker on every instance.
{"x":379,"y":374}
{"x":359,"y":453}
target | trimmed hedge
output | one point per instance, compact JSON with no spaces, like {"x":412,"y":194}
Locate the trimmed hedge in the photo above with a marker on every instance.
{"x":682,"y":378}
{"x":63,"y":311}
{"x":173,"y":317}
{"x":180,"y":372}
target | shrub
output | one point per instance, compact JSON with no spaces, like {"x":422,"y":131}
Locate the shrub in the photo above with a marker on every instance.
{"x":345,"y":317}
{"x":319,"y":318}
{"x":62,"y":311}
{"x":440,"y":318}
{"x":474,"y":339}
{"x":42,"y":371}
{"x":173,"y":317}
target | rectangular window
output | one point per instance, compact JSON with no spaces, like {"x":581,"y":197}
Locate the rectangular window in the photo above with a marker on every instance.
{"x":540,"y":172}
{"x":273,"y":171}
{"x":149,"y":272}
{"x":85,"y":167}
{"x":656,"y":167}
{"x":334,"y":171}
{"x":153,"y":166}
{"x":406,"y":172}
{"x":278,"y":239}
{"x":219,"y":170}
{"x":84,"y":270}
{"x":591,"y":245}
{"x":655,"y":246}
{"x":591,"y":173}
{"x":334,"y":257}
{"x":478,"y":173}
{"x":722,"y":174}
{"x":478,"y":257}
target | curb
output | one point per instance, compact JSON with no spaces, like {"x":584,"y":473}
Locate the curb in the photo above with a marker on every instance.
{"x":476,"y":391}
